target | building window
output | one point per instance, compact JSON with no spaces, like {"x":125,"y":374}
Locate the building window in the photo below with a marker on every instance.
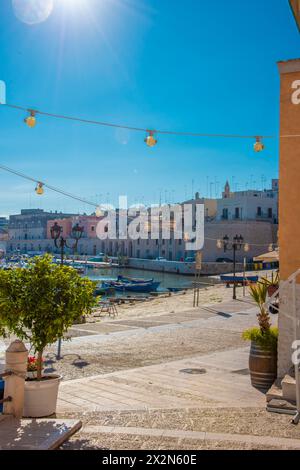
{"x":237,"y":213}
{"x":225,"y":214}
{"x":259,"y":211}
{"x":92,"y":228}
{"x":270,"y":213}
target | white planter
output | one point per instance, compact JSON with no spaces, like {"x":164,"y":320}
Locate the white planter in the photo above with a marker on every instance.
{"x":40,"y":397}
{"x":32,"y":374}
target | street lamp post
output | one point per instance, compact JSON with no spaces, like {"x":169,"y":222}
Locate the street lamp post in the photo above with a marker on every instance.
{"x":61,"y":243}
{"x":235,"y":245}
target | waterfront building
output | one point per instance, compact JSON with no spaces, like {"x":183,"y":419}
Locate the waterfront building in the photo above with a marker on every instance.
{"x":3,"y":240}
{"x":249,"y":205}
{"x":28,"y":231}
{"x":253,"y":214}
{"x":3,"y":223}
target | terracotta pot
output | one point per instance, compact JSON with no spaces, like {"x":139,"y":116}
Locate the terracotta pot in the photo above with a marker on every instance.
{"x":262,"y":366}
{"x":41,"y":396}
{"x":272,"y":289}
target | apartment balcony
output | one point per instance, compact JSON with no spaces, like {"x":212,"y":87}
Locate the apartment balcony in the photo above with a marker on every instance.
{"x":264,"y":216}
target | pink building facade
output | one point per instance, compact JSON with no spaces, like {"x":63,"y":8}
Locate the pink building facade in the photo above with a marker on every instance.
{"x":88,"y":222}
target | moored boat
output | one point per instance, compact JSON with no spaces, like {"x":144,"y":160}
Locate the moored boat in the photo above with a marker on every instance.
{"x":134,"y":280}
{"x":132,"y":287}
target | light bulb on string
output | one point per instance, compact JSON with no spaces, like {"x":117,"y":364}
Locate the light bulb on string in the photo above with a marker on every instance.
{"x":258,"y":146}
{"x":270,"y":248}
{"x":31,"y":120}
{"x":98,"y":211}
{"x":219,"y":244}
{"x":246,"y":247}
{"x":150,"y":139}
{"x":39,"y":189}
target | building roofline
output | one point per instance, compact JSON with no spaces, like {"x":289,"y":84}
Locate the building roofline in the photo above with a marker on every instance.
{"x":295,"y":7}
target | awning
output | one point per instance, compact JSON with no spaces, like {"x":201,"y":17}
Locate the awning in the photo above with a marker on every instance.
{"x":270,"y":257}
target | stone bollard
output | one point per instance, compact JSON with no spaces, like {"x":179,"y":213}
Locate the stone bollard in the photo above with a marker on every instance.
{"x":15,"y":361}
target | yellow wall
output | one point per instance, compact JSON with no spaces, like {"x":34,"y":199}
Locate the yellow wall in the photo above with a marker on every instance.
{"x":289,"y":171}
{"x":210,"y":207}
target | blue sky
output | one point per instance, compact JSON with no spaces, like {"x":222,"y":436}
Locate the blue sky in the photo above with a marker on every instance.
{"x":196,"y":65}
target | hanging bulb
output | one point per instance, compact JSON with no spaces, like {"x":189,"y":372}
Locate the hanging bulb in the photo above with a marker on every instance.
{"x":39,"y":189}
{"x":246,"y":247}
{"x":30,"y":120}
{"x":98,"y":211}
{"x":219,"y":244}
{"x":258,"y":146}
{"x":150,"y":139}
{"x":270,"y":248}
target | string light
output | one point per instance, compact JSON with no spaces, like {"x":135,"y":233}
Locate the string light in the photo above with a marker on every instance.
{"x":219,"y":244}
{"x":150,"y":139}
{"x":270,"y":247}
{"x":98,"y":211}
{"x":39,"y":188}
{"x":246,"y":247}
{"x":30,"y":120}
{"x":258,"y":146}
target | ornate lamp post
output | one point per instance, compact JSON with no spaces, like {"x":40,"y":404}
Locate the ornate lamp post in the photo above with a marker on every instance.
{"x":235,"y":245}
{"x":61,"y":242}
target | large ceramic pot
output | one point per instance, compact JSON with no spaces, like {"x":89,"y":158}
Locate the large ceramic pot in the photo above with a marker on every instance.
{"x":262,"y":366}
{"x":41,"y":396}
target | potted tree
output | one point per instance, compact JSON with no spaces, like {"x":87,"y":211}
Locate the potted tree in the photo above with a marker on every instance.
{"x":38,"y":304}
{"x":264,"y":338}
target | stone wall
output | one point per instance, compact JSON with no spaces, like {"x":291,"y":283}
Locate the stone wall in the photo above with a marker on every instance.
{"x":182,"y":268}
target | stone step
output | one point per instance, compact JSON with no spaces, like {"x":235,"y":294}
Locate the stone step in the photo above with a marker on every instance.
{"x":275,"y":392}
{"x":288,"y":385}
{"x":281,"y":406}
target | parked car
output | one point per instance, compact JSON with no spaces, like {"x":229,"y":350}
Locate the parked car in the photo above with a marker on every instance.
{"x":160,"y":258}
{"x":224,"y":260}
{"x":190,"y":259}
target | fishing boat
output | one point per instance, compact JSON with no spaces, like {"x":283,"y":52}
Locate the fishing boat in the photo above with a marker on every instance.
{"x":134,"y":280}
{"x":132,"y":287}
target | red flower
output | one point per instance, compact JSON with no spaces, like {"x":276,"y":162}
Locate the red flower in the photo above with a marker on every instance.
{"x":31,"y":359}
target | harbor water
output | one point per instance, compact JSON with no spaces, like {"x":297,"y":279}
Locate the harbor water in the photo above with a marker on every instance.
{"x":167,"y":280}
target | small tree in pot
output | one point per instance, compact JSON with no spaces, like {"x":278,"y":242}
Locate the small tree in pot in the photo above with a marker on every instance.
{"x":39,"y":303}
{"x":264,"y":338}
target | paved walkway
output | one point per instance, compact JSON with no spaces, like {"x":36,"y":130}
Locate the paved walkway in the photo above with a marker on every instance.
{"x":223,"y":381}
{"x":35,"y":434}
{"x":215,"y":379}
